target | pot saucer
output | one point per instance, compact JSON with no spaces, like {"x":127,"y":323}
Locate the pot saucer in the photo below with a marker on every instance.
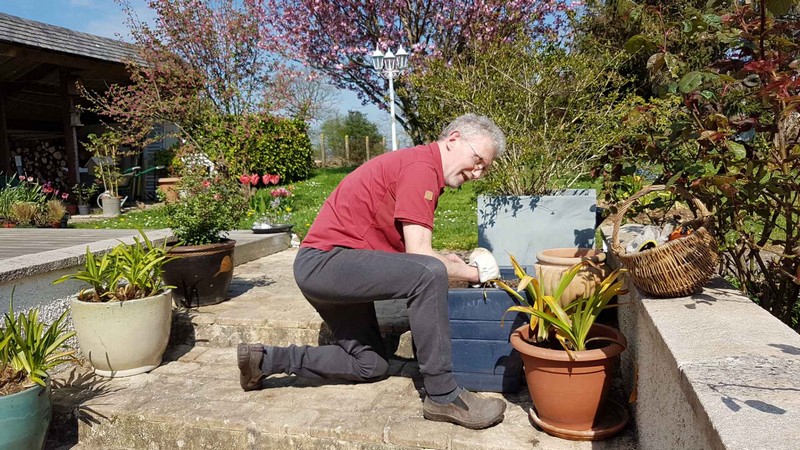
{"x":614,"y":417}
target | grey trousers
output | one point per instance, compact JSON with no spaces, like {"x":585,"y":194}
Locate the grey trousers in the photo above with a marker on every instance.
{"x":343,"y":285}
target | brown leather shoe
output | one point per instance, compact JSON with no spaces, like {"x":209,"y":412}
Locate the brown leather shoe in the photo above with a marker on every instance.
{"x":468,"y":410}
{"x":248,"y":358}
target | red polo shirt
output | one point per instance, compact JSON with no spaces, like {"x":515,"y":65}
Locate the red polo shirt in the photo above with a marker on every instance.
{"x":368,"y":208}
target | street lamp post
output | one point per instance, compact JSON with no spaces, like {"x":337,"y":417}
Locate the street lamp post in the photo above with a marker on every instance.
{"x":390,"y":65}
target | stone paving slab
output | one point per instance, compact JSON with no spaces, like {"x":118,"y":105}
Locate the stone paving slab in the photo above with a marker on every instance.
{"x":266,"y":306}
{"x":195,"y":402}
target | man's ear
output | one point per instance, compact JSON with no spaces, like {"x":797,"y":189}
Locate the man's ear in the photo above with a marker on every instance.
{"x":453,"y":136}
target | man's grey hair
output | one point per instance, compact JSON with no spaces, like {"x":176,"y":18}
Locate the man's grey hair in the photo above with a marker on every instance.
{"x":472,"y":125}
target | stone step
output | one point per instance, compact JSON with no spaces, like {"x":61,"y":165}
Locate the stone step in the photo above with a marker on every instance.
{"x":193,"y":401}
{"x":266,"y":306}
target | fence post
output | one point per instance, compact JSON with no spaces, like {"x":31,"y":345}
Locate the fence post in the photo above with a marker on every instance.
{"x":322,"y":147}
{"x":367,"y":141}
{"x":383,"y":143}
{"x":347,"y":148}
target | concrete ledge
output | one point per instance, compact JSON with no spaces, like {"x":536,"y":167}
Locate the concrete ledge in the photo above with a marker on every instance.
{"x":714,"y":369}
{"x":31,"y":275}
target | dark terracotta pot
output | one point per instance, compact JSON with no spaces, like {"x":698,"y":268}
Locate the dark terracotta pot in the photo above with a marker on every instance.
{"x":201,"y":274}
{"x":568,"y":394}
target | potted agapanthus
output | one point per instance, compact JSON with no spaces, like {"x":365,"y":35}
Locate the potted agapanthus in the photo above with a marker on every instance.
{"x":210,"y":206}
{"x":28,"y":350}
{"x":123,"y":317}
{"x":567,"y":357}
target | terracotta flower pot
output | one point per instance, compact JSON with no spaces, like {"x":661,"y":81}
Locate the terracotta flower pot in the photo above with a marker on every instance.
{"x":551,"y":265}
{"x":201,"y":274}
{"x":168,"y":187}
{"x":568,"y":394}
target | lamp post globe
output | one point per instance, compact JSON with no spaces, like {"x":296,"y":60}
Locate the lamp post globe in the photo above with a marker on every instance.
{"x":390,"y":65}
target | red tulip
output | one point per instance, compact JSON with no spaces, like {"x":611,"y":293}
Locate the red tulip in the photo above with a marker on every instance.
{"x":254,"y":179}
{"x":244,"y":178}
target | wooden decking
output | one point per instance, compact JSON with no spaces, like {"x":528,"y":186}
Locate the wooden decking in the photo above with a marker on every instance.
{"x":24,"y":241}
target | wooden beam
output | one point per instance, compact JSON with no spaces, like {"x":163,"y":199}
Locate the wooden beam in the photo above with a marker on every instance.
{"x":25,"y":80}
{"x":60,"y":59}
{"x":5,"y":146}
{"x":70,"y":136}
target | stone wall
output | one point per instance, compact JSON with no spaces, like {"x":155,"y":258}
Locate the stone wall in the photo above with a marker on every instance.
{"x":710,"y":371}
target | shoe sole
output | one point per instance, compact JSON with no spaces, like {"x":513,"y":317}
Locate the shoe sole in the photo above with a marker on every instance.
{"x":471,"y":425}
{"x":243,"y":361}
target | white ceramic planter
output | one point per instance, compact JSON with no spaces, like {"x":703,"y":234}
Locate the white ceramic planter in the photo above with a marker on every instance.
{"x":127,"y":338}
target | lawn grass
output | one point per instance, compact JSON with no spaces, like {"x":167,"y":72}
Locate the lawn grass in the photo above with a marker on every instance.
{"x":455,"y":221}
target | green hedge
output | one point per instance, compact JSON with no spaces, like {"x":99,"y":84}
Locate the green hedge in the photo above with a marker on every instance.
{"x":264,"y":144}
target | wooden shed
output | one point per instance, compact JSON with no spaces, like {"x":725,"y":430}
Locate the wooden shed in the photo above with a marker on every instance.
{"x":41,"y":127}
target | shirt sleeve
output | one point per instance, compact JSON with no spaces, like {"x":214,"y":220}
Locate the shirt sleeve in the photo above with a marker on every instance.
{"x":417,"y":194}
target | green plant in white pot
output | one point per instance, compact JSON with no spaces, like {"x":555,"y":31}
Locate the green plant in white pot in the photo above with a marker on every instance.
{"x":123,"y":318}
{"x":28,"y":351}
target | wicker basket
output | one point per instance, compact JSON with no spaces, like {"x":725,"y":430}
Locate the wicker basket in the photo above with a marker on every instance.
{"x":676,"y":268}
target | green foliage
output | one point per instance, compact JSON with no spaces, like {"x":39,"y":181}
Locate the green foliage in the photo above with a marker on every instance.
{"x":356,"y":126}
{"x":83,"y":192}
{"x":557,"y":107}
{"x":209,"y":207}
{"x":727,"y":127}
{"x":260,"y":144}
{"x":572,"y":322}
{"x":127,"y":272}
{"x":107,"y":149}
{"x":27,"y":347}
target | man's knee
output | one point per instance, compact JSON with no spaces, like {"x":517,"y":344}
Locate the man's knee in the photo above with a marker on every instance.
{"x":371,"y":366}
{"x":434,"y":272}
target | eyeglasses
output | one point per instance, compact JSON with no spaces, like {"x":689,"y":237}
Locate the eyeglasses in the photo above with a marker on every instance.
{"x":478,"y":161}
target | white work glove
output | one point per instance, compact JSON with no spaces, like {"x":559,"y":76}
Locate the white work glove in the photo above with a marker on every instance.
{"x":486,"y":264}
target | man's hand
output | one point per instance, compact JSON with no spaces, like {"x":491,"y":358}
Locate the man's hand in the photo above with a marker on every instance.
{"x":486,"y":264}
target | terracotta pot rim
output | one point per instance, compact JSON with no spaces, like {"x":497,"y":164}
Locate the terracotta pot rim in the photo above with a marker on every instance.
{"x":609,"y":351}
{"x":225,"y":244}
{"x":75,"y":299}
{"x":580,"y":254}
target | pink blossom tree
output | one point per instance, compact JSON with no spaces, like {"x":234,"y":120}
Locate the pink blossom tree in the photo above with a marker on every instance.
{"x":336,"y":37}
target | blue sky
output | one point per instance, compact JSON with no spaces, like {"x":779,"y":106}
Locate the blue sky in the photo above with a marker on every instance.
{"x":106,"y":18}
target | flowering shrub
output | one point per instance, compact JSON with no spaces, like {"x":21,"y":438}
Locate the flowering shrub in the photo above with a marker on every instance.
{"x":209,"y":207}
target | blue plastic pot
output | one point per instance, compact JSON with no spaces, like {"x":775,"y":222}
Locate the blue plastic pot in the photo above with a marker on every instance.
{"x":483,"y":358}
{"x":25,"y":418}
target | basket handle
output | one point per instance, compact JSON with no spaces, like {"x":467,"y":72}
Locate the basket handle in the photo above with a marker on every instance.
{"x":616,"y":219}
